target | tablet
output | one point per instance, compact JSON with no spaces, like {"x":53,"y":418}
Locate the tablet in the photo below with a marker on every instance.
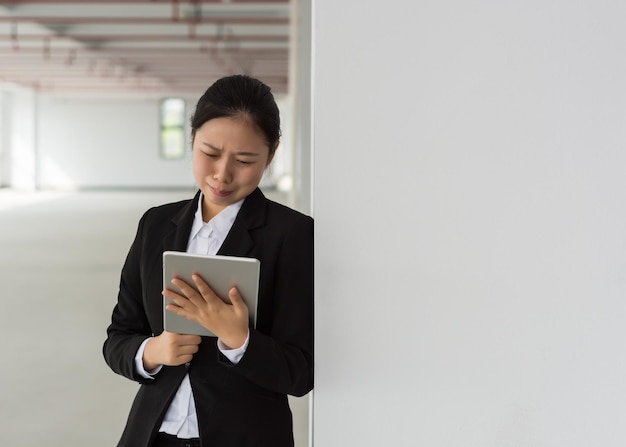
{"x":221,"y":273}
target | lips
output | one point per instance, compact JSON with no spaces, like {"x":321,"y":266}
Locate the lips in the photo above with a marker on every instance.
{"x":219,"y":193}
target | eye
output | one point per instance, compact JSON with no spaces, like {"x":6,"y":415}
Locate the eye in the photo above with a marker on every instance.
{"x":245,"y":162}
{"x":210,"y":155}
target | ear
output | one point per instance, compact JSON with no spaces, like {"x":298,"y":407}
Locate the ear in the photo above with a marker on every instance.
{"x":271,"y":157}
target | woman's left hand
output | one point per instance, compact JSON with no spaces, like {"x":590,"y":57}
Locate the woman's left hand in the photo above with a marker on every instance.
{"x":228,"y":321}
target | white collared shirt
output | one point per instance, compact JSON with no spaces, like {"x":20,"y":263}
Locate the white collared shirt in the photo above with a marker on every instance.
{"x":205,"y":238}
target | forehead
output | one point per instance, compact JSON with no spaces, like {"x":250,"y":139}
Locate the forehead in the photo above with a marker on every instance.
{"x":230,"y":133}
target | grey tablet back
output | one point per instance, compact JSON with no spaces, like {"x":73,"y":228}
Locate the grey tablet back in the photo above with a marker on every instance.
{"x":221,"y":273}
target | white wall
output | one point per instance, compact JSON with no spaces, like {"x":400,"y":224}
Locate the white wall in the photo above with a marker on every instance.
{"x":104,"y":142}
{"x":100,"y":142}
{"x":300,"y":87}
{"x":4,"y":138}
{"x":21,"y":127}
{"x":470,"y":205}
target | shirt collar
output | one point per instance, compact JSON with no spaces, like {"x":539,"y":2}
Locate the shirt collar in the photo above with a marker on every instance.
{"x":221,"y":223}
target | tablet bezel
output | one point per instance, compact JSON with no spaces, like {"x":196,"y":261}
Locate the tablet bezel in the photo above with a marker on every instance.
{"x":221,"y":273}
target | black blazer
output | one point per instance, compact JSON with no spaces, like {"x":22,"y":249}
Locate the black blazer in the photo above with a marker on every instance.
{"x":237,"y":405}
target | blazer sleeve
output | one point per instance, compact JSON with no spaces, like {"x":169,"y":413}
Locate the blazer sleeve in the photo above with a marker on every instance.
{"x":282,"y":360}
{"x":129,"y":325}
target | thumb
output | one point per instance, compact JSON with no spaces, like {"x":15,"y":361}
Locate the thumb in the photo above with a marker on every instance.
{"x":237,"y":300}
{"x":235,"y":297}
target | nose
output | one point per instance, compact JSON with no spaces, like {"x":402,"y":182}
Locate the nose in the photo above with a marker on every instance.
{"x":222,"y":172}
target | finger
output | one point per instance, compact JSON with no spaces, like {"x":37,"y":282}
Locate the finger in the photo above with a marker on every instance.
{"x":235,"y":298}
{"x":205,"y":290}
{"x":186,"y":339}
{"x":188,"y":349}
{"x":193,"y":294}
{"x":186,"y":289}
{"x":177,"y":301}
{"x":181,"y":359}
{"x":185,"y":309}
{"x":179,"y":311}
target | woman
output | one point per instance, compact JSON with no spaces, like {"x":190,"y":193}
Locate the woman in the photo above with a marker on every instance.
{"x":230,"y":390}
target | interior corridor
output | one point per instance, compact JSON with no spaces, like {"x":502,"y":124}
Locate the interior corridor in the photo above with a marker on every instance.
{"x":60,"y":262}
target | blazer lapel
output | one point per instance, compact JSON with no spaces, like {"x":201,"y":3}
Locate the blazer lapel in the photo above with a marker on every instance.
{"x":239,"y":242}
{"x":252,"y":215}
{"x":178,"y":237}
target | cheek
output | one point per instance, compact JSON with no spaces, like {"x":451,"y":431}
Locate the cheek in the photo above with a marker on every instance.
{"x":199,"y":163}
{"x":200,"y":170}
{"x":256,"y":176}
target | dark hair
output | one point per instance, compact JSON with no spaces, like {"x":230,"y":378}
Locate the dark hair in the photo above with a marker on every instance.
{"x":240,"y":96}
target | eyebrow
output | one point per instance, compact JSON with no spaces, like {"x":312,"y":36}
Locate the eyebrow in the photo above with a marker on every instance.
{"x":219,"y":149}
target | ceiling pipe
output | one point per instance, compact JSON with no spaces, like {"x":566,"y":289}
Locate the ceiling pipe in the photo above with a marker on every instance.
{"x":25,"y":2}
{"x":15,"y":43}
{"x":197,"y":11}
{"x":227,"y":49}
{"x":176,"y":18}
{"x":71,"y":58}
{"x":175,"y":11}
{"x":46,"y":48}
{"x":147,"y":37}
{"x":142,"y":53}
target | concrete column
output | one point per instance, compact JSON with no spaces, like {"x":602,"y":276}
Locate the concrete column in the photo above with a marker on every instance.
{"x":22,"y":138}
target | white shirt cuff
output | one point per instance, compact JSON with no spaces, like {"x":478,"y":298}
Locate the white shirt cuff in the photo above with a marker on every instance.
{"x":139,"y":363}
{"x":234,"y":355}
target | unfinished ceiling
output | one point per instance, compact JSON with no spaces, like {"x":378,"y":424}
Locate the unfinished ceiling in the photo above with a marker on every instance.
{"x":151,"y":46}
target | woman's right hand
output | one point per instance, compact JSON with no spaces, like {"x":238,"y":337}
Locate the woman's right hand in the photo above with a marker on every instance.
{"x":169,"y":349}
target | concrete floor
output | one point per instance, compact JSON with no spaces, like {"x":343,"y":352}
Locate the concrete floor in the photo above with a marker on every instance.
{"x":60,"y":260}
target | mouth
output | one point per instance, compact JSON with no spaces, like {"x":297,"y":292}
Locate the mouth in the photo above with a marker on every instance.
{"x":220,"y":193}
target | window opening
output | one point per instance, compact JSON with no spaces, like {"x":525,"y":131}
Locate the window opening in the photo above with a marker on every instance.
{"x":172,"y":129}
